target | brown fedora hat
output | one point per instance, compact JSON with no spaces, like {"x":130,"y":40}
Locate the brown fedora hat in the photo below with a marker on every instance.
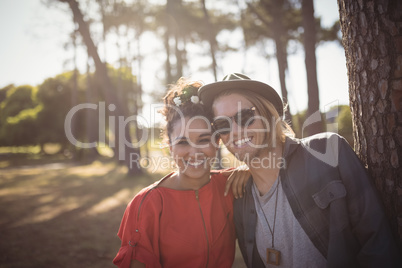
{"x":208,"y":92}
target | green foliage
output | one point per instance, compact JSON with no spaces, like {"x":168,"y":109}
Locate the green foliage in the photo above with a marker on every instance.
{"x":17,"y":99}
{"x":3,"y":92}
{"x":26,"y":114}
{"x":297,"y":123}
{"x":32,"y":116}
{"x":329,"y":34}
{"x":258,"y":21}
{"x":55,"y":94}
{"x":345,"y":124}
{"x":338,"y":119}
{"x":18,"y":114}
{"x":137,"y":14}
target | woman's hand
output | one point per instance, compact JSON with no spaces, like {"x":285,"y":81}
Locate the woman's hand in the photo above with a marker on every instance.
{"x":237,"y":180}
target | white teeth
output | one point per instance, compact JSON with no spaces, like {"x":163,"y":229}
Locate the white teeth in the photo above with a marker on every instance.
{"x":242,"y":141}
{"x":196,"y":163}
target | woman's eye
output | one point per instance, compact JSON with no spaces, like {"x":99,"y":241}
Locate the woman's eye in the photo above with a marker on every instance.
{"x":205,"y":140}
{"x":183,"y":142}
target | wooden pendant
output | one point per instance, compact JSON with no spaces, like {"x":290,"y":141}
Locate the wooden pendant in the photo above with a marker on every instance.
{"x":273,"y":256}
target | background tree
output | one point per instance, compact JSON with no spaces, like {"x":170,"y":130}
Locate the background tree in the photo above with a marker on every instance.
{"x":211,"y":39}
{"x":309,"y":41}
{"x":129,"y":21}
{"x":18,"y":114}
{"x":283,"y":21}
{"x":372,"y":37}
{"x":344,"y":121}
{"x":55,"y":95}
{"x":173,"y":39}
{"x":108,"y":89}
{"x":277,"y":19}
{"x":338,"y":119}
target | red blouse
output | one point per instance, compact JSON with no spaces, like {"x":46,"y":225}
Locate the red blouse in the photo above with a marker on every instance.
{"x":162,"y":227}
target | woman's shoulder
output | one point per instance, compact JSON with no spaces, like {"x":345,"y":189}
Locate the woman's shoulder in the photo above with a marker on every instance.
{"x":218,"y":177}
{"x":148,"y":196}
{"x":218,"y":173}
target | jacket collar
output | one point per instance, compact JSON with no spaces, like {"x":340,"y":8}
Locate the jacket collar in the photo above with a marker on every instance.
{"x":291,"y":144}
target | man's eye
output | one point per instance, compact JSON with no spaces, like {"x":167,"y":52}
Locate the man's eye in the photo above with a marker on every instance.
{"x":183,"y":142}
{"x":205,"y":140}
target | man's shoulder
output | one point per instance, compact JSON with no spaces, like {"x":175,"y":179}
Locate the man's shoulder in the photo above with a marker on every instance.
{"x":320,"y":140}
{"x":320,"y":137}
{"x":324,"y":147}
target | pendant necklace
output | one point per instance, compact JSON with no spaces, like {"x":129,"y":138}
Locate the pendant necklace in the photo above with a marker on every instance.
{"x":273,"y":255}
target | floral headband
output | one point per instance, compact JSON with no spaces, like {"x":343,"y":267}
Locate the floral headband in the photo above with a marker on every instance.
{"x":186,"y":95}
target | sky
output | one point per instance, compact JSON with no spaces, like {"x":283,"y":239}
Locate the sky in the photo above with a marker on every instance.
{"x":33,"y":49}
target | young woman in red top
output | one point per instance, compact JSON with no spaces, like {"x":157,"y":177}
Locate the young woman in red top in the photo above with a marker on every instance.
{"x":183,"y":220}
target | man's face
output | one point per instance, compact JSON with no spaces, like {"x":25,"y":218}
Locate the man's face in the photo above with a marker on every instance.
{"x":245,"y":137}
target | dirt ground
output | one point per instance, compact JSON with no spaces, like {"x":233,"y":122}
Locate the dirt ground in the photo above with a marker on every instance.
{"x":64,"y":215}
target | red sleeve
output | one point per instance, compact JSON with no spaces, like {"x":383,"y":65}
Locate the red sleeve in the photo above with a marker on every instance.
{"x":139,"y":230}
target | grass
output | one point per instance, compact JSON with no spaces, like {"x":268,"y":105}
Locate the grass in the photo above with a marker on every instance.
{"x":58,"y":214}
{"x":63,"y":216}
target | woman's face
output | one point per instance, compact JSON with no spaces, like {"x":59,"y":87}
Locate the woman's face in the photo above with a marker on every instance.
{"x":191,"y":146}
{"x":246,"y":140}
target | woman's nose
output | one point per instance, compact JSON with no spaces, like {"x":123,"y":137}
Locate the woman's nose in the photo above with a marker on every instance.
{"x":195,"y":152}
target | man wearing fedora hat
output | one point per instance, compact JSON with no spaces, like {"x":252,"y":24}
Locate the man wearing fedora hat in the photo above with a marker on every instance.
{"x":310,"y":202}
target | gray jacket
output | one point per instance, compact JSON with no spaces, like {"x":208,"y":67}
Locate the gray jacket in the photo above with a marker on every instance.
{"x":332,"y":197}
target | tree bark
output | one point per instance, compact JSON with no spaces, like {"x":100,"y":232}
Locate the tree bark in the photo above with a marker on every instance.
{"x":373,"y":46}
{"x":311,"y":65}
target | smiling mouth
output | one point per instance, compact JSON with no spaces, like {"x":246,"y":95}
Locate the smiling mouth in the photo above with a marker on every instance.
{"x":195,"y":164}
{"x":242,"y":142}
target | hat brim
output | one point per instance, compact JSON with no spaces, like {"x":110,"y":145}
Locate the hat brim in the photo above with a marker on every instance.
{"x":208,"y":93}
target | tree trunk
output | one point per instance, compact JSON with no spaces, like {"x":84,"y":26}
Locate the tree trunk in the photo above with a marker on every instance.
{"x":169,"y":15}
{"x":211,"y":39}
{"x":212,"y":49}
{"x":281,"y":52}
{"x":91,"y":125}
{"x":168,"y":66}
{"x":276,"y":9}
{"x":373,"y":46}
{"x":281,"y":57}
{"x":124,"y":151}
{"x":138,"y":91}
{"x":311,"y":65}
{"x":179,"y":55}
{"x":74,"y":91}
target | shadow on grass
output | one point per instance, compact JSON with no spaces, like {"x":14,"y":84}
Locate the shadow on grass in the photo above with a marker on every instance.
{"x":65,"y":215}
